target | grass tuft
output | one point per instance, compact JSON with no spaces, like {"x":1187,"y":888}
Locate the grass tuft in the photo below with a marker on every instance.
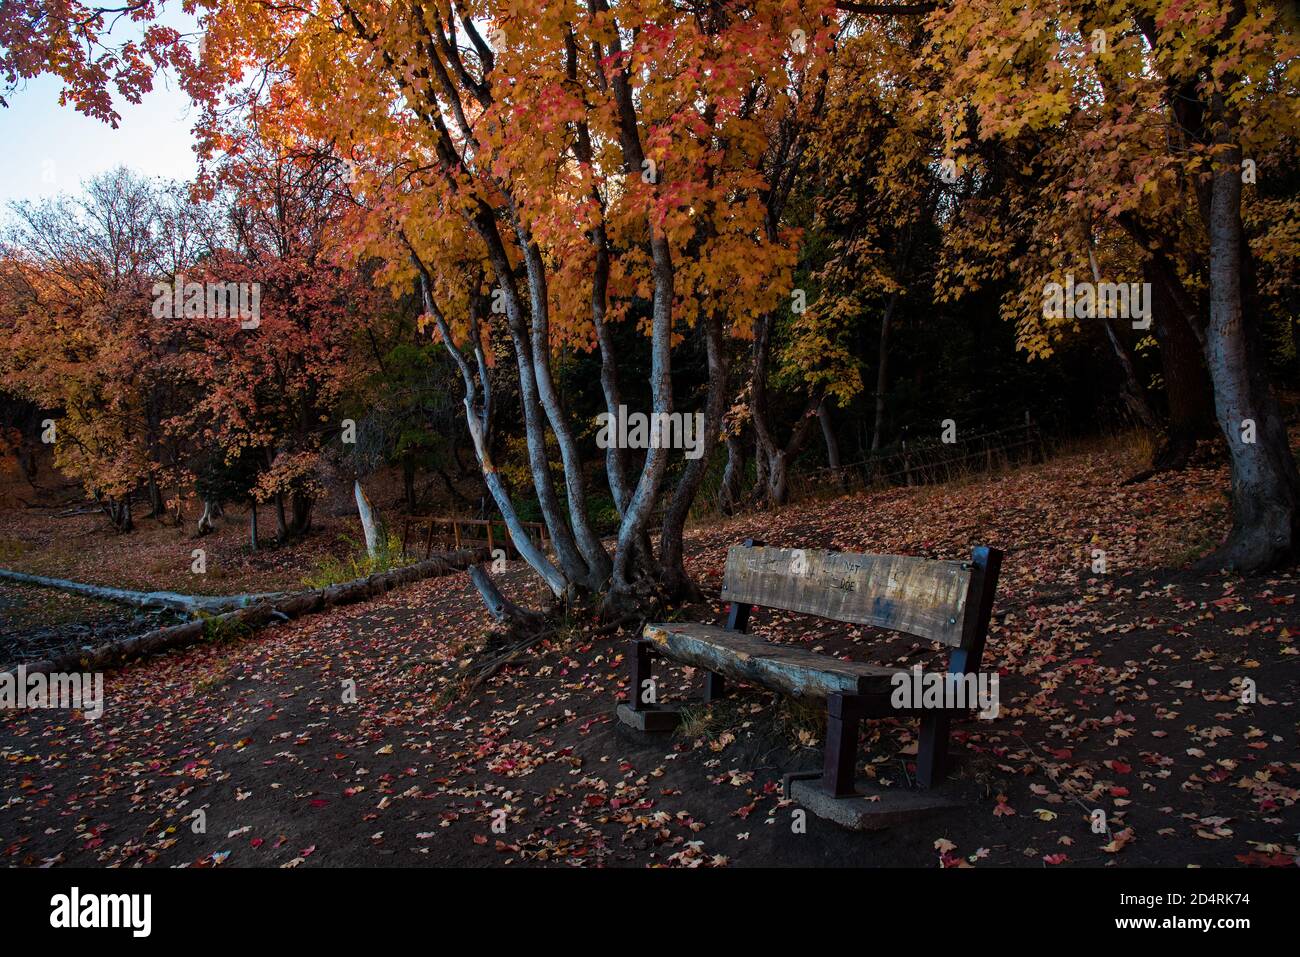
{"x":331,"y":570}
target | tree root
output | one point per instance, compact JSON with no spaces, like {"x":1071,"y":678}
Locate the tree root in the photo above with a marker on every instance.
{"x":478,"y":672}
{"x":1172,"y":456}
{"x":519,"y":629}
{"x":498,"y":605}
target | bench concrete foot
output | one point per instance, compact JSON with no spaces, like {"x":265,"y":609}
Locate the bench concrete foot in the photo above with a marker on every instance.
{"x":657,"y":718}
{"x":869,"y":808}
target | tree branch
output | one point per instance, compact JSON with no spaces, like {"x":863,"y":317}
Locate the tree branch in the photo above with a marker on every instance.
{"x":887,"y":9}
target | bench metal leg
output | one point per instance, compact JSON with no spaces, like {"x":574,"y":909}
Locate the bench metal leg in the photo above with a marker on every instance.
{"x":932,"y":750}
{"x":715,"y":686}
{"x":844,"y":714}
{"x":640,"y":658}
{"x":643,"y":710}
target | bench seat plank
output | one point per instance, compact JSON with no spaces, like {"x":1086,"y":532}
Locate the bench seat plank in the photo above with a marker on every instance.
{"x":795,"y":671}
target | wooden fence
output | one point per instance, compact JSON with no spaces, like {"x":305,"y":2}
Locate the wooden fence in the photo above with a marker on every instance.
{"x":930,"y":462}
{"x":458,"y":533}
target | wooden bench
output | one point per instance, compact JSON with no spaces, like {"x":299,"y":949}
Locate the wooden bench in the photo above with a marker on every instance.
{"x":944,"y":601}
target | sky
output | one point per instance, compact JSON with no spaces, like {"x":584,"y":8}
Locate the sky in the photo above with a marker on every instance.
{"x":47,"y":149}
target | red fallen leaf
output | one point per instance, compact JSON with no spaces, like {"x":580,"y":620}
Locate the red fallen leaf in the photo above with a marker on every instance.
{"x":1056,"y":858}
{"x":1119,"y":767}
{"x":595,"y":800}
{"x":480,"y":838}
{"x":319,"y":802}
{"x":1119,"y":792}
{"x":257,"y":842}
{"x":1256,"y":859}
{"x":1061,"y":753}
{"x":307,"y":851}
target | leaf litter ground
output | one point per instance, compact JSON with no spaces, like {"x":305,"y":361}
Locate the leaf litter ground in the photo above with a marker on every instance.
{"x":1119,"y":691}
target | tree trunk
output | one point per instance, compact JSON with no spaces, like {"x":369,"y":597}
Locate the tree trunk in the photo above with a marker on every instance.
{"x":1187,"y":385}
{"x":205,"y":520}
{"x":672,"y":570}
{"x":170,"y":600}
{"x":828,"y":435}
{"x":253,"y":614}
{"x":1295,"y":342}
{"x":557,"y":526}
{"x":636,"y":518}
{"x":408,"y":484}
{"x":301,"y":514}
{"x":478,"y":413}
{"x":778,"y":480}
{"x":498,"y":605}
{"x":118,"y":512}
{"x":570,"y":560}
{"x":732,"y":476}
{"x":616,"y":469}
{"x":777,"y":489}
{"x":759,"y":491}
{"x":882,"y":372}
{"x":1134,"y":395}
{"x":1265,"y":483}
{"x":252,"y":524}
{"x":588,"y":542}
{"x":156,"y":505}
{"x":1131,"y":390}
{"x":372,"y":524}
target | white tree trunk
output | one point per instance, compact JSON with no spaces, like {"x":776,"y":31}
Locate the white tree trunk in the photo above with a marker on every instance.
{"x":371,"y":523}
{"x":171,"y":600}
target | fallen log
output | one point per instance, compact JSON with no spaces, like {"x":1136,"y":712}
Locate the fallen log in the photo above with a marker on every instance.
{"x":254,"y":616}
{"x":171,"y":600}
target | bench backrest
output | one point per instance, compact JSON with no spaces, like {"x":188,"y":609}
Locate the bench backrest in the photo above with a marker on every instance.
{"x":944,"y":601}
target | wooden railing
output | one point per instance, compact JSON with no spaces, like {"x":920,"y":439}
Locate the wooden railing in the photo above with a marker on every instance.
{"x":929,"y":462}
{"x":457,"y":533}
